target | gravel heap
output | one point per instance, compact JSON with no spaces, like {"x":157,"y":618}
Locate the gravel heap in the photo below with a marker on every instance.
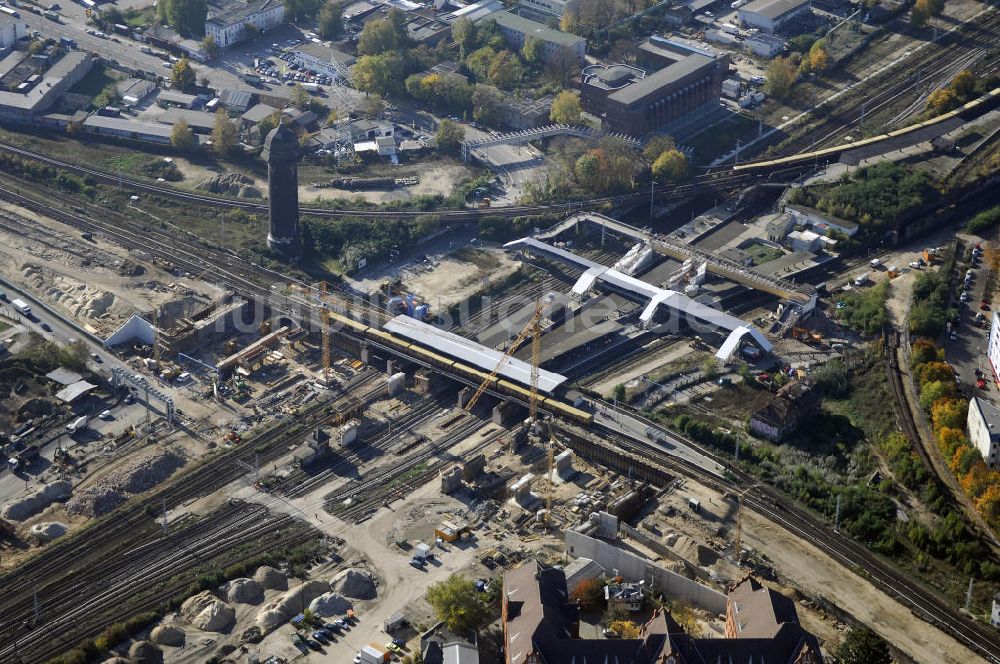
{"x":144,"y":652}
{"x":356,"y":583}
{"x":330,"y":604}
{"x":208,"y":613}
{"x":243,"y":591}
{"x":234,"y":184}
{"x":167,"y":635}
{"x":299,"y":597}
{"x":140,"y":474}
{"x":269,"y":619}
{"x":270,"y":579}
{"x":48,"y":531}
{"x":33,"y":503}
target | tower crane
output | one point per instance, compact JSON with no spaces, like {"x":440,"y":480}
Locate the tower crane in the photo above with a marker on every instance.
{"x":324,"y":320}
{"x":534,"y":329}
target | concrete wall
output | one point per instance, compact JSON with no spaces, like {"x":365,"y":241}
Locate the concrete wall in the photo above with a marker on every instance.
{"x":634,"y":568}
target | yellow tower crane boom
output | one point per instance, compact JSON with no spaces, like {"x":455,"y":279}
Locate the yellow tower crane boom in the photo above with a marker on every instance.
{"x":533,"y":328}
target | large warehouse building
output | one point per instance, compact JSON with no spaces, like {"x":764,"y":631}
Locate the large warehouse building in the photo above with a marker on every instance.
{"x":770,"y":15}
{"x":680,"y":82}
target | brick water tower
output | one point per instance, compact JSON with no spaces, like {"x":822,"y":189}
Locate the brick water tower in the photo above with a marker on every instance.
{"x":281,"y":151}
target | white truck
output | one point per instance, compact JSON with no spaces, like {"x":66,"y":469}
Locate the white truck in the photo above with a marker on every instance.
{"x":79,"y":424}
{"x":310,"y":87}
{"x":21,"y":306}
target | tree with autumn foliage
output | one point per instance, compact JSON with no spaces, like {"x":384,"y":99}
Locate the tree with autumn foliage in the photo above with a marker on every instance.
{"x":589,"y":594}
{"x":625,"y":629}
{"x":949,"y":413}
{"x":949,"y":440}
{"x":931,"y":371}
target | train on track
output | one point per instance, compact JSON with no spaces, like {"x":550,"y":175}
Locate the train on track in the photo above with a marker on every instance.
{"x":446,"y":364}
{"x":971,"y":109}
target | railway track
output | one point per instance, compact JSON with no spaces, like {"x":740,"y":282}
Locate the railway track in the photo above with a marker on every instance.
{"x":933,"y":73}
{"x":769,"y":503}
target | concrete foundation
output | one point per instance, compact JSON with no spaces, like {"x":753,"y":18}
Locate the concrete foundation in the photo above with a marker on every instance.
{"x":507,"y":413}
{"x":451,"y":479}
{"x":464,"y":395}
{"x":473,"y":468}
{"x":396,"y":383}
{"x":520,"y":491}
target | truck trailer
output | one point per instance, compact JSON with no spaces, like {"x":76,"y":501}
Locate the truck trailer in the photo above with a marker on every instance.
{"x":79,"y":424}
{"x":21,"y":306}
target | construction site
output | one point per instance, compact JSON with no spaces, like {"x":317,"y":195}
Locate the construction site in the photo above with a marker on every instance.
{"x":339,"y":451}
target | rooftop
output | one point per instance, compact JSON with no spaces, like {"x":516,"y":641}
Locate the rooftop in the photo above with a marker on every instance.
{"x":198,"y":119}
{"x":990,"y":414}
{"x":129,"y":125}
{"x":612,"y":77}
{"x":71,"y":393}
{"x":258,"y":112}
{"x":533,"y":29}
{"x":325,"y":53}
{"x":772,"y":9}
{"x":469,"y":351}
{"x":228,"y":12}
{"x":640,"y":89}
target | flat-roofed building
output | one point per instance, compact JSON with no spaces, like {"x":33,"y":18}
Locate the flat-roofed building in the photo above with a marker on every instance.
{"x":544,"y":7}
{"x":516,"y":30}
{"x":983,"y":422}
{"x":770,"y":15}
{"x":635,"y":101}
{"x":229,"y":21}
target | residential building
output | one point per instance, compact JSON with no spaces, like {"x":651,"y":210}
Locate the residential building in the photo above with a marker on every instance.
{"x":820,"y":222}
{"x":770,"y":15}
{"x":541,"y":624}
{"x":232,"y":21}
{"x":516,"y":30}
{"x":11,"y":29}
{"x":544,"y":8}
{"x":983,"y":422}
{"x":993,"y":348}
{"x":775,"y":416}
{"x":678,"y":83}
{"x":764,"y":45}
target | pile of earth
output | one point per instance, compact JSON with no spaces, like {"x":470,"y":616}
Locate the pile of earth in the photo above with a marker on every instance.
{"x":33,"y":503}
{"x":138,"y":475}
{"x":355,"y":583}
{"x":270,"y":578}
{"x":167,"y":635}
{"x":243,"y":591}
{"x":208,"y":613}
{"x":144,"y":652}
{"x":692,"y":551}
{"x":234,"y":184}
{"x":48,"y":531}
{"x":330,"y":604}
{"x":289,"y":605}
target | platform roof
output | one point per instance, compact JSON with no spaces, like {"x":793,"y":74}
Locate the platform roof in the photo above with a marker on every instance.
{"x":71,"y":393}
{"x":470,"y":352}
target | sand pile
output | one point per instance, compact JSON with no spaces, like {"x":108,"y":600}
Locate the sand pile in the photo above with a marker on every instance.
{"x":269,"y":619}
{"x":144,"y":652}
{"x":138,"y":475}
{"x":270,"y":579}
{"x":299,"y":597}
{"x":208,"y":613}
{"x":355,"y":583}
{"x":167,"y":635}
{"x":48,"y":531}
{"x":75,"y":296}
{"x":33,"y":503}
{"x":234,"y":184}
{"x":330,"y":604}
{"x":243,"y":591}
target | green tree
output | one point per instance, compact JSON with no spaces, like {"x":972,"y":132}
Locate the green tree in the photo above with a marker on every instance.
{"x":919,"y":14}
{"x":212,"y":49}
{"x":818,"y":58}
{"x":301,"y":9}
{"x":505,"y":70}
{"x":185,"y":16}
{"x":463,"y":33}
{"x":656,"y":146}
{"x":379,"y":74}
{"x":781,"y":75}
{"x":224,"y":138}
{"x":450,"y":136}
{"x":862,"y":646}
{"x":108,"y":95}
{"x":183,"y":75}
{"x":478,"y":62}
{"x":670,"y":166}
{"x":299,"y":97}
{"x":181,"y":136}
{"x":265,"y":126}
{"x":587,"y":169}
{"x":486,"y":104}
{"x":566,"y":108}
{"x":456,"y":603}
{"x":331,"y":20}
{"x":532,"y":50}
{"x":619,"y":393}
{"x":964,"y":83}
{"x":384,"y":35}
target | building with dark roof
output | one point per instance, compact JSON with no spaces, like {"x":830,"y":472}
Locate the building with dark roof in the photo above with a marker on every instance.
{"x":770,"y":15}
{"x":677,"y":82}
{"x":775,"y":416}
{"x":541,"y":624}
